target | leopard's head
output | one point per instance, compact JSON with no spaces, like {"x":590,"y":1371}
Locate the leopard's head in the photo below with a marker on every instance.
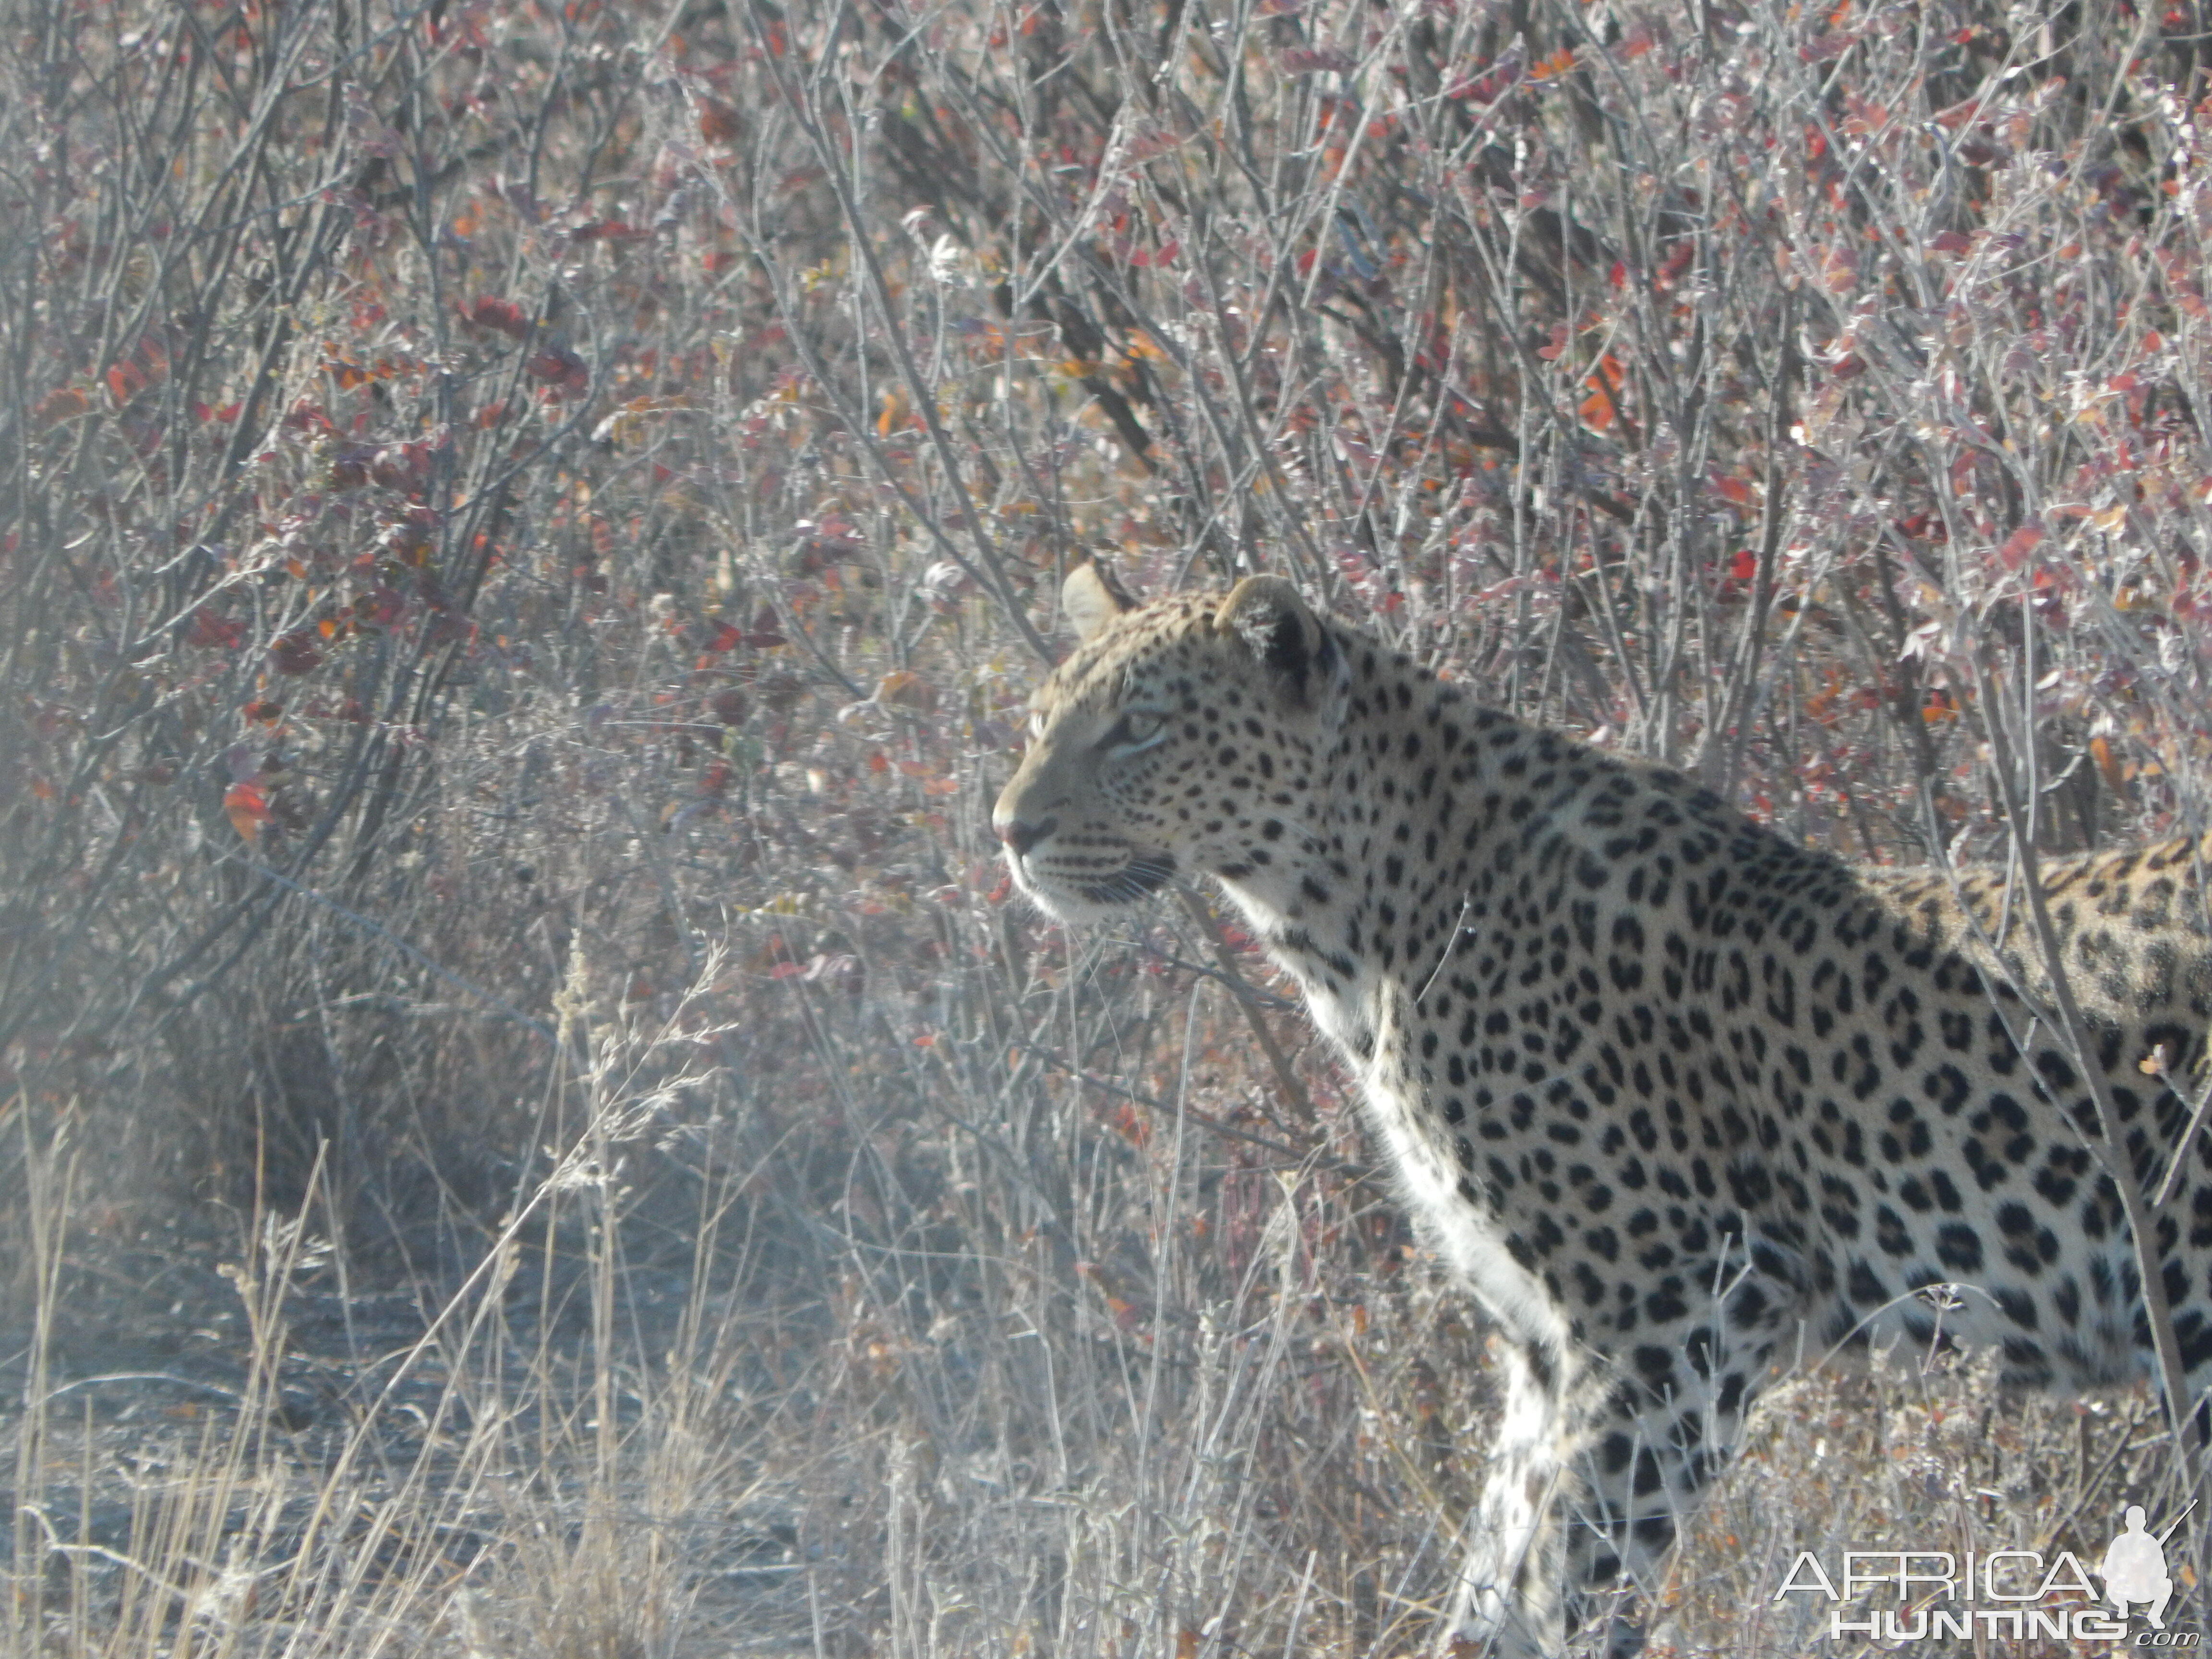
{"x":1183,"y":737}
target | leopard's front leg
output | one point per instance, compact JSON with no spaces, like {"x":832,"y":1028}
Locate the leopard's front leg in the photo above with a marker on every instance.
{"x":1507,"y":1603}
{"x":1588,"y":1480}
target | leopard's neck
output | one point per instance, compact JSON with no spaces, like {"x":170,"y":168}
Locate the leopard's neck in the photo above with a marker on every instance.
{"x":1415,"y":782}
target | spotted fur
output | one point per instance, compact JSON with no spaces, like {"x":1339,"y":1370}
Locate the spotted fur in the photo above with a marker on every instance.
{"x":1677,"y":1098}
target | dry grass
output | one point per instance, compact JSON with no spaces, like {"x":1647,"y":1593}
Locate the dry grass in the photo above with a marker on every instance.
{"x":1250,"y":1428}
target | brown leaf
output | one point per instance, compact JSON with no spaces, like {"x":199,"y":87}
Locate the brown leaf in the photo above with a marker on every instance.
{"x":2101,"y":753}
{"x":718,"y":122}
{"x":906,"y":690}
{"x":58,"y":406}
{"x":295,"y":654}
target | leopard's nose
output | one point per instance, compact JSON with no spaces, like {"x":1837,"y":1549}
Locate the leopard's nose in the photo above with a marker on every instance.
{"x":1022,"y":836}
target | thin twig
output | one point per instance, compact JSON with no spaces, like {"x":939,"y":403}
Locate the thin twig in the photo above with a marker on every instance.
{"x":1294,"y":1092}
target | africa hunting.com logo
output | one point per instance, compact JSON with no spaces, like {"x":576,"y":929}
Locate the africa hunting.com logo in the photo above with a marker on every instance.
{"x":1941,"y":1599}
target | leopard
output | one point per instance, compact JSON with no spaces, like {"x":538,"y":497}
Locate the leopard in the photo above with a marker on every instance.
{"x":1676,"y":1097}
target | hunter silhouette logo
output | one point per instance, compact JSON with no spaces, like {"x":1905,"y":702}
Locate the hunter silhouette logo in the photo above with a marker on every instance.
{"x":2134,"y":1569}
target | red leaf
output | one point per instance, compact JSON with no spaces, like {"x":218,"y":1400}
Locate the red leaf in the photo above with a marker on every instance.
{"x":378,"y":607}
{"x":213,"y":633}
{"x":305,"y":416}
{"x":296,"y":652}
{"x":402,"y":467}
{"x":2018,"y":545}
{"x":561,"y":368}
{"x":765,"y":631}
{"x":246,"y":806}
{"x":504,"y":315}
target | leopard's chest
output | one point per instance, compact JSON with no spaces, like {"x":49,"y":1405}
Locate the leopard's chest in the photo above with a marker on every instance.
{"x":1365,"y":1012}
{"x":1373,"y":1032}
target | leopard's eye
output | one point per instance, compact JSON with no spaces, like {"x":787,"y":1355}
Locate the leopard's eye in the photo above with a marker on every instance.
{"x":1037,"y":724}
{"x":1138,"y":729}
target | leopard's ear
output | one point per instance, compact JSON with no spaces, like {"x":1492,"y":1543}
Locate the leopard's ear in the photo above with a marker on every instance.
{"x":1090,"y":597}
{"x":1280,"y":630}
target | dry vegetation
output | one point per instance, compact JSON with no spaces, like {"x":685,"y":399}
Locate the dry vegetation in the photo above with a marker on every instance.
{"x":531,"y":1125}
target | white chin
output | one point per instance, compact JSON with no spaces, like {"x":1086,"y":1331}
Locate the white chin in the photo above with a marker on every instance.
{"x":1062,"y":905}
